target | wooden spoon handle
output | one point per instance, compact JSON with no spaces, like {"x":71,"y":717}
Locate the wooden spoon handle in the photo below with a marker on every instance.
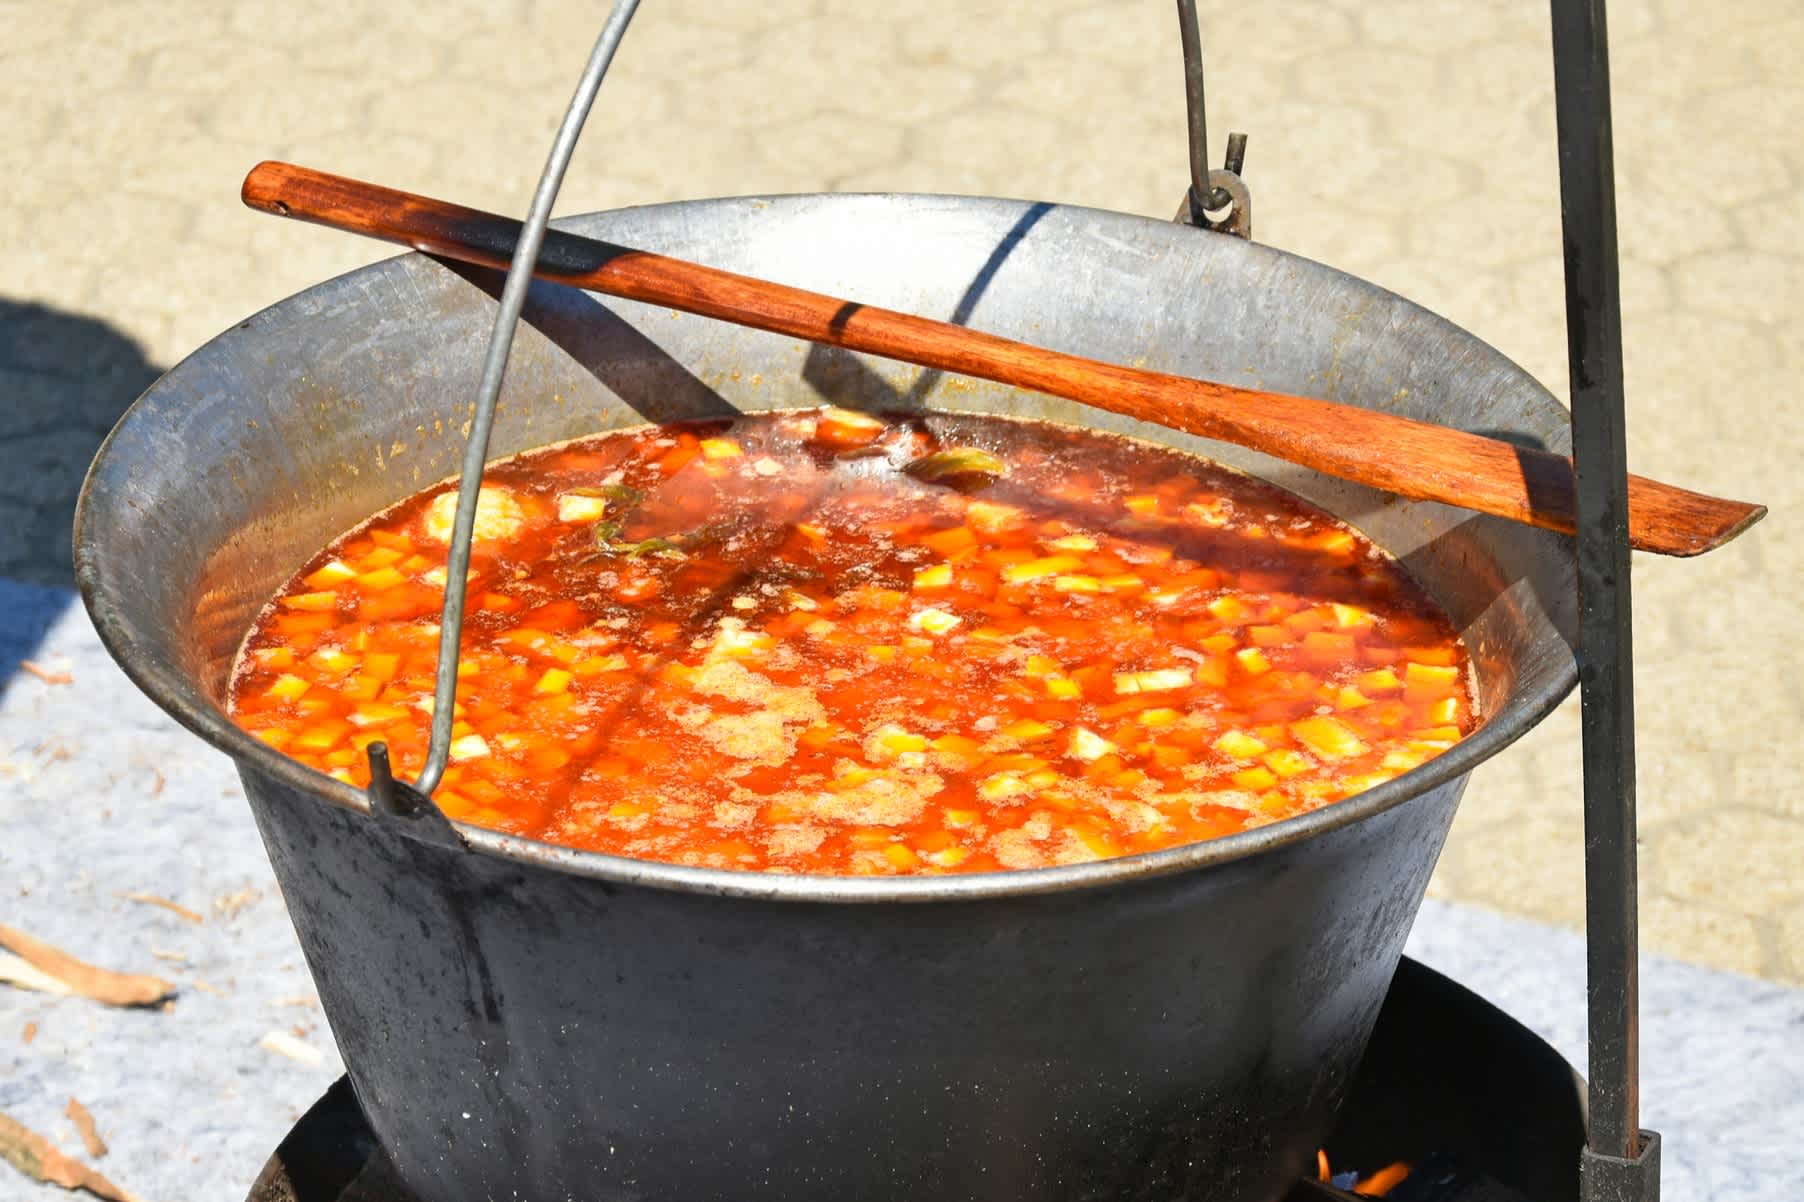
{"x":1410,"y":458}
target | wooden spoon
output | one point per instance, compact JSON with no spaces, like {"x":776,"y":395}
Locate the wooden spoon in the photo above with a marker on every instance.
{"x":1413,"y":459}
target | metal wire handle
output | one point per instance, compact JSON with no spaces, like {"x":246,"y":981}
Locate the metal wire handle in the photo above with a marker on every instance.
{"x":383,"y":791}
{"x":1210,"y":191}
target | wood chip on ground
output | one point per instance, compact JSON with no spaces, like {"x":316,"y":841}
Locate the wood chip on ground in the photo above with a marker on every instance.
{"x":45,"y":674}
{"x":284,"y":1044}
{"x":176,"y":908}
{"x":84,"y":1127}
{"x":69,"y":975}
{"x":37,"y":1158}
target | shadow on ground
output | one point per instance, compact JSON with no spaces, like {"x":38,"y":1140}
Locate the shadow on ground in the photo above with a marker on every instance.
{"x":64,"y":380}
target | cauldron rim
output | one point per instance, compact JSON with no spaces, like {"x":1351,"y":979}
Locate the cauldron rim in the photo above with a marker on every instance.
{"x":191,"y":709}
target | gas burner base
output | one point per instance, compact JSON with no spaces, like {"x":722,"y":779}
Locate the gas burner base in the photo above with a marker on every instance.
{"x":1482,"y":1107}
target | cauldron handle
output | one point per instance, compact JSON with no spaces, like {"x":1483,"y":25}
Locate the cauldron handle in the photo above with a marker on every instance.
{"x":1211,"y":190}
{"x":390,"y":798}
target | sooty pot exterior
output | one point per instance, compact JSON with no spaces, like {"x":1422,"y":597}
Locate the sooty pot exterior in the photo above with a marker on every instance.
{"x":518,"y":1031}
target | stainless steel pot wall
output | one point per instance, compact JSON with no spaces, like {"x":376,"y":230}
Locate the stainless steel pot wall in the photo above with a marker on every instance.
{"x":527,"y":1021}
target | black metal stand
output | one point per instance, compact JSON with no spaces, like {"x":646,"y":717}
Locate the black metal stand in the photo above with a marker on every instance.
{"x":1621,"y":1163}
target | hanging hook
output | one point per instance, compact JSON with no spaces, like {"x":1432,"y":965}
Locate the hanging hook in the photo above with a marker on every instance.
{"x":1210,"y":191}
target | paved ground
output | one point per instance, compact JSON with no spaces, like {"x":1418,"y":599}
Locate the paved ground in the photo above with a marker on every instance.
{"x":1412,"y":144}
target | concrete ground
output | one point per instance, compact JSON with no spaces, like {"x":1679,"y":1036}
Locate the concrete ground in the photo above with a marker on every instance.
{"x":1410,"y":144}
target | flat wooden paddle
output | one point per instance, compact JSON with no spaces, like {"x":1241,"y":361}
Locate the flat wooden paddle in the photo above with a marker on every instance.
{"x":1410,"y":458}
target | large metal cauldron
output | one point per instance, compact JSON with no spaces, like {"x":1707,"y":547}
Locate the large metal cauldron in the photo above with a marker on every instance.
{"x":522,"y":1021}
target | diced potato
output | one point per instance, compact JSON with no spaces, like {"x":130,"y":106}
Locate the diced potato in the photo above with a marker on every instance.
{"x":1035,"y":569}
{"x":1328,"y":737}
{"x":957,"y":745}
{"x":1253,"y":661}
{"x":1002,"y":786}
{"x":950,"y":541}
{"x":934,"y":621}
{"x":1350,"y":698}
{"x":554,"y":680}
{"x":1428,"y":680}
{"x":1240,"y":745}
{"x":380,"y":580}
{"x":901,"y":856}
{"x":1073,"y":542}
{"x":289,"y":687}
{"x":375,"y":713}
{"x":958,"y":818}
{"x":1230,"y":609}
{"x":1141,"y":505}
{"x":765,"y":466}
{"x":1254,"y":780}
{"x":333,"y":659}
{"x":1159,"y":717}
{"x":1287,"y":762}
{"x":937,"y":576}
{"x":1157,"y":680}
{"x":1063,"y":688}
{"x":1122,"y":582}
{"x":469,"y":747}
{"x":890,"y":741}
{"x":1350,"y":617}
{"x":1096,"y":842}
{"x":1088,"y":746}
{"x":579,"y":507}
{"x":734,"y":639}
{"x":320,"y":602}
{"x":949,"y":857}
{"x":320,"y":737}
{"x":498,"y":515}
{"x":330,"y":575}
{"x":381,"y":664}
{"x":720,"y":448}
{"x":1268,"y":636}
{"x":1027,"y":730}
{"x":1077,"y":584}
{"x":362,"y":687}
{"x":1444,"y":712}
{"x":1381,"y":681}
{"x":989,"y":517}
{"x":1402,"y":761}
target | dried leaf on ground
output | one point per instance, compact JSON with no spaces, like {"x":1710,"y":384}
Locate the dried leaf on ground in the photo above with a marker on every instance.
{"x":75,"y":976}
{"x":45,"y":674}
{"x":37,"y":1158}
{"x":176,"y":908}
{"x":84,"y":1127}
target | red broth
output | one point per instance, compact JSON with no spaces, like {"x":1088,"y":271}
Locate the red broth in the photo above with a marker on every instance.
{"x":825,"y":643}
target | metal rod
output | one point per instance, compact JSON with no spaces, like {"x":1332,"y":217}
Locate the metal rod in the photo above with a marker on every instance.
{"x":1606,"y":676}
{"x":494,"y":367}
{"x":1202,"y":195}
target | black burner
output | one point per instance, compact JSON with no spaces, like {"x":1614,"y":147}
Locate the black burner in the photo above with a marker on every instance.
{"x":1476,"y":1102}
